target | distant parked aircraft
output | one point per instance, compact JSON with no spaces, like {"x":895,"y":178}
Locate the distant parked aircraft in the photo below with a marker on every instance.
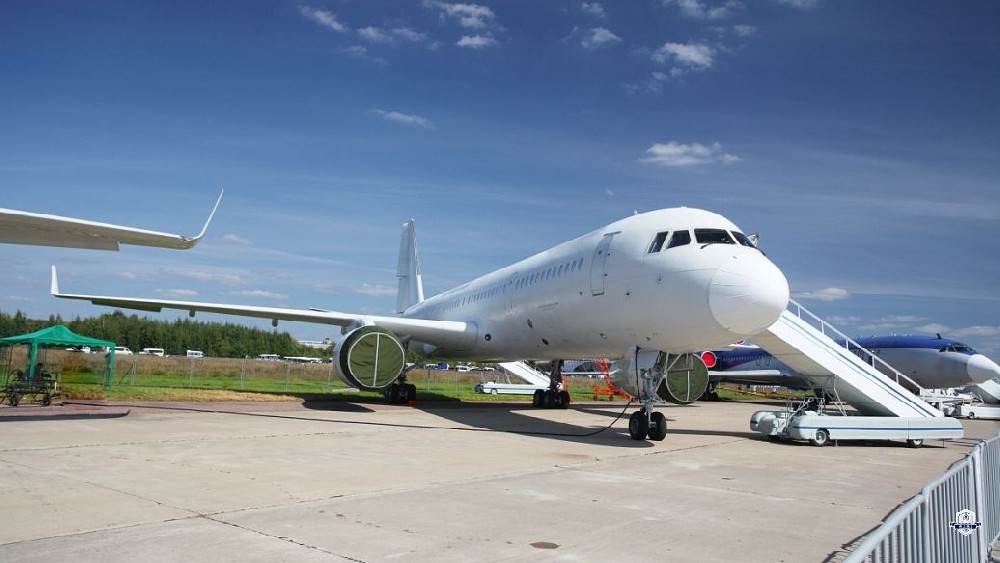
{"x":933,"y":362}
{"x":22,"y":227}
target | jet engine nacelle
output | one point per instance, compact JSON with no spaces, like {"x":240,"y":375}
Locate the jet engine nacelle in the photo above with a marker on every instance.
{"x":685,"y":381}
{"x":369,"y":358}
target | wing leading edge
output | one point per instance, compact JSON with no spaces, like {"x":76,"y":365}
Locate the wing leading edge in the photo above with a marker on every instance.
{"x":446,"y":334}
{"x":22,"y":227}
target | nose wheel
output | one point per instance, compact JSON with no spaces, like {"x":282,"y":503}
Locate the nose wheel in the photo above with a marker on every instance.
{"x":642,"y":425}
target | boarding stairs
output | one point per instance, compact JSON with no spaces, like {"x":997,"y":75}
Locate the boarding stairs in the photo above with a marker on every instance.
{"x":844,"y":369}
{"x":988,"y":391}
{"x":527,"y":373}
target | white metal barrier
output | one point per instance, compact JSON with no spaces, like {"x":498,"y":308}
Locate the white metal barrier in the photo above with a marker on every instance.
{"x":955,"y":518}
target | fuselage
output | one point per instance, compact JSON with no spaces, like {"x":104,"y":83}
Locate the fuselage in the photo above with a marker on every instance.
{"x":675,"y":280}
{"x":932,"y":362}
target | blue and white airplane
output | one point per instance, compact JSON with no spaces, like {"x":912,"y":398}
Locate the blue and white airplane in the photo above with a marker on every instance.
{"x":932,"y":361}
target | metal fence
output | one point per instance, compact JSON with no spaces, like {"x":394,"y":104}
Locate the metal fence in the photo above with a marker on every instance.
{"x":955,"y":518}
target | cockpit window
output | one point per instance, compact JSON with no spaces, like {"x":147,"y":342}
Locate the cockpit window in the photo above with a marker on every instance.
{"x":657,"y":244}
{"x":713,"y":236}
{"x":680,"y":238}
{"x":743,"y":239}
{"x":960,"y":348}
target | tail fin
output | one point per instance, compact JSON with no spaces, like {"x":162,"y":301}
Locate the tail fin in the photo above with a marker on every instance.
{"x":411,"y":288}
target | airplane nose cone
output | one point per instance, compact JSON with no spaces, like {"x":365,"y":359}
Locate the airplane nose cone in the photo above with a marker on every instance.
{"x":748,"y":294}
{"x":982,"y":369}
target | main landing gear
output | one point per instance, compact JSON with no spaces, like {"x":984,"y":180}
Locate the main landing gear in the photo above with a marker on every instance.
{"x":400,"y":392}
{"x":555,"y":397}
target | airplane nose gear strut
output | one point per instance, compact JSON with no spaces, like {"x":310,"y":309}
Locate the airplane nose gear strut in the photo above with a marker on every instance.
{"x":646,"y":422}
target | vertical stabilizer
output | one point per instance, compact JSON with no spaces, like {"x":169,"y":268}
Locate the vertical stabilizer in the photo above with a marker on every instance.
{"x":411,"y":288}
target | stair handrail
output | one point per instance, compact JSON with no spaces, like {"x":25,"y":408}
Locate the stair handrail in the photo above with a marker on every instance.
{"x":849,"y":342}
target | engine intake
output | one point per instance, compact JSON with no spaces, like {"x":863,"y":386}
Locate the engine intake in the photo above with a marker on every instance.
{"x":685,"y":385}
{"x":369,"y":358}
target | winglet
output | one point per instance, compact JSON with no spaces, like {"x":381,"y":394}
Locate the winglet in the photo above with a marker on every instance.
{"x":55,"y":282}
{"x":194,"y":240}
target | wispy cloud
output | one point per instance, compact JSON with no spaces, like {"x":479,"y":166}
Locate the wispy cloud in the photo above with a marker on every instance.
{"x":361,"y":52}
{"x":472,"y":16}
{"x":375,"y":290}
{"x":259,"y":294}
{"x":476,"y":41}
{"x":209,"y":277}
{"x":825,"y":294}
{"x":175,"y":293}
{"x":235,"y":239}
{"x":412,"y":120}
{"x":594,"y":9}
{"x":702,"y":10}
{"x":694,"y":154}
{"x":804,"y":4}
{"x":598,"y":37}
{"x":323,"y":18}
{"x":698,"y":56}
{"x":395,"y":36}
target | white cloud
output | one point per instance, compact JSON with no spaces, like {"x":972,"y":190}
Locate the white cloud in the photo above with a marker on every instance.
{"x":259,"y":294}
{"x":178,"y":292}
{"x":476,"y":41}
{"x":678,"y":154}
{"x":407,"y":34}
{"x":744,"y":30}
{"x":361,"y":52}
{"x":699,"y":9}
{"x":235,"y":239}
{"x":374,"y":35}
{"x":412,"y":120}
{"x":209,"y":277}
{"x":800,"y":3}
{"x":375,"y":290}
{"x":472,"y":16}
{"x":693,"y":55}
{"x":323,"y":18}
{"x":826,"y":294}
{"x":933,"y":328}
{"x":594,"y":9}
{"x":598,"y":37}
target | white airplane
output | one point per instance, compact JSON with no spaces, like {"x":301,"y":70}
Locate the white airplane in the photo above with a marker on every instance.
{"x":22,"y":227}
{"x":654,"y":287}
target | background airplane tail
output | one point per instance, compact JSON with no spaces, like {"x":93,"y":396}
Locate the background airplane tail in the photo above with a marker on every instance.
{"x":411,"y":288}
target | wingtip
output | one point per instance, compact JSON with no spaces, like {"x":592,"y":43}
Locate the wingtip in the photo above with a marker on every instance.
{"x":55,"y":282}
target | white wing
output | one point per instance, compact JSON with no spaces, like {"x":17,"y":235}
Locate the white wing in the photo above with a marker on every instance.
{"x":22,"y":227}
{"x":455,"y":335}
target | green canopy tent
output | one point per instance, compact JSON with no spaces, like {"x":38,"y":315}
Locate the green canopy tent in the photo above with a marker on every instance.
{"x":59,"y":336}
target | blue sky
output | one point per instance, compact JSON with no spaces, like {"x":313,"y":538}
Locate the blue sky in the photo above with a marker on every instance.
{"x":859,"y":138}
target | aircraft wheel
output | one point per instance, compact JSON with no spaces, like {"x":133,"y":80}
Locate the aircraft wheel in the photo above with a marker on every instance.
{"x":638,"y":426}
{"x":563,"y":400}
{"x":915,"y":442}
{"x":659,"y":430}
{"x":538,"y":399}
{"x":549,"y":399}
{"x":411,"y":392}
{"x":821,"y":438}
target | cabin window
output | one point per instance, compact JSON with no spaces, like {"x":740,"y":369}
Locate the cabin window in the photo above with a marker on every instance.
{"x":657,"y":244}
{"x":680,"y":238}
{"x":743,"y":239}
{"x":713,"y":236}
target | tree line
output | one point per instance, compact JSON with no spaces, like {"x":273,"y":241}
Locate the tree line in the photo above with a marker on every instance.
{"x":226,"y":340}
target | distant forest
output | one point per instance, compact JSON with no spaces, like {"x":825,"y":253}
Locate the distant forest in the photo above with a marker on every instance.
{"x":227,"y":340}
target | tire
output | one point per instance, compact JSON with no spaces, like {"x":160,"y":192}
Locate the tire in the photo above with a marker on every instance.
{"x":915,"y":442}
{"x":659,"y":429}
{"x":638,"y":426}
{"x":549,"y":399}
{"x":972,"y":415}
{"x":563,"y":400}
{"x":15,"y":398}
{"x":411,"y":393}
{"x":538,"y":399}
{"x":821,"y":438}
{"x":493,"y":392}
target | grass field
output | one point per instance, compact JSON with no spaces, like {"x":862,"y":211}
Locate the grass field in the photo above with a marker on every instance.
{"x":153,"y":378}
